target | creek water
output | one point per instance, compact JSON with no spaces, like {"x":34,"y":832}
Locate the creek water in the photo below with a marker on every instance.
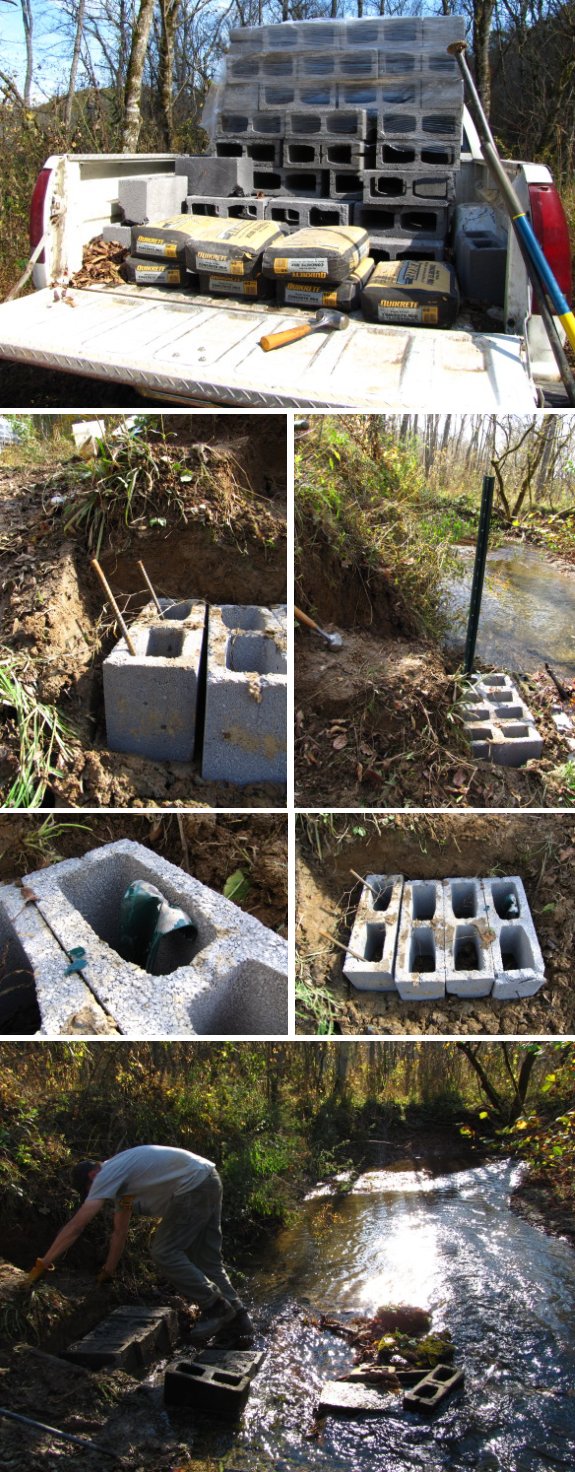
{"x":445,"y":1242}
{"x":527,"y":610}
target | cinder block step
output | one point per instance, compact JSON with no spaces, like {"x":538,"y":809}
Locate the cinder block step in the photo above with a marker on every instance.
{"x":245,"y":728}
{"x":467,"y":937}
{"x":150,"y":698}
{"x":500,"y":726}
{"x":518,"y":962}
{"x":429,"y":1394}
{"x":217,"y":1383}
{"x":374,"y":934}
{"x":129,"y":1339}
{"x":230,"y":976}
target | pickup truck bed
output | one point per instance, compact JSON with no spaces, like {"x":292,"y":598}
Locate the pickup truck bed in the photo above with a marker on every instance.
{"x":197,"y":351}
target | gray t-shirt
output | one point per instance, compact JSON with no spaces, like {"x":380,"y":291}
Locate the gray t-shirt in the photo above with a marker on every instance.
{"x":149,"y":1176}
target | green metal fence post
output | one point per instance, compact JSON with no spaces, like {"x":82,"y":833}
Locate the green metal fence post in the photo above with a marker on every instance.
{"x":479,"y":571}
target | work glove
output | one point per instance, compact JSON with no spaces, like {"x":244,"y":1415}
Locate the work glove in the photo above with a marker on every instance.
{"x":38,"y":1271}
{"x":104,"y":1277}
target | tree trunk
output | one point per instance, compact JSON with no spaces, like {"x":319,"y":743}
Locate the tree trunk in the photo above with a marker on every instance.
{"x":482,"y":17}
{"x":28,"y":34}
{"x":74,"y":67}
{"x":133,"y":94}
{"x":169,"y":13}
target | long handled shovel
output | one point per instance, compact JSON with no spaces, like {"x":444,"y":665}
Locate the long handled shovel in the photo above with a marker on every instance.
{"x":538,"y":270}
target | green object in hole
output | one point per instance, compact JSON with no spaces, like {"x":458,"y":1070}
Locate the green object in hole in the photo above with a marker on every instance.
{"x":146,"y":919}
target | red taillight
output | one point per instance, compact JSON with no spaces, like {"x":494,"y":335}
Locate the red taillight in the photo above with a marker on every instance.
{"x":550,"y":226}
{"x":36,"y":220}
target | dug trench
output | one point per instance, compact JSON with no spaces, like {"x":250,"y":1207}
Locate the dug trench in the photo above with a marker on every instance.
{"x":375,"y":720}
{"x":334,"y":849}
{"x":225,"y":543}
{"x":430,"y":1188}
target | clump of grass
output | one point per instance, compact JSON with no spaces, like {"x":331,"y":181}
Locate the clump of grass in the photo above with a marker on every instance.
{"x":315,"y":1008}
{"x":128,"y":482}
{"x":42,"y":735}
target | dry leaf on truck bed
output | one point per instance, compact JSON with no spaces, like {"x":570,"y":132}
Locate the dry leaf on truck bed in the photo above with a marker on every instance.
{"x":101,"y":261}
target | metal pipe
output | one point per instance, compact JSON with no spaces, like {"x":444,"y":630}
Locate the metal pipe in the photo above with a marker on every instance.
{"x":479,"y":571}
{"x":542,"y":278}
{"x":90,"y":1446}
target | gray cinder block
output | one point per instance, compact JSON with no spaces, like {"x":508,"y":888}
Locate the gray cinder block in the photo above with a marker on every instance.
{"x":216,"y":1382}
{"x":229,"y":978}
{"x":420,"y":964}
{"x":409,"y":186}
{"x":118,"y":235}
{"x":245,"y":728}
{"x":204,"y":174}
{"x":233,"y":208}
{"x":518,"y":961}
{"x":351,"y":124}
{"x":298,"y":213}
{"x":499,"y":725}
{"x":374,"y":934}
{"x":469,"y":967}
{"x":414,"y":248}
{"x":150,"y":698}
{"x":398,"y":221}
{"x":151,"y":197}
{"x":129,"y":1339}
{"x":29,"y":950}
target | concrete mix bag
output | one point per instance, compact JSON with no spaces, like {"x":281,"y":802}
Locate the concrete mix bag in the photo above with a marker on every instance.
{"x":344,"y":297}
{"x":411,"y":293}
{"x":206,"y":244}
{"x":328,"y":254}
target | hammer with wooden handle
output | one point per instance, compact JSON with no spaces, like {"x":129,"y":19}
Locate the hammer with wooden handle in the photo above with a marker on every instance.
{"x":332,"y":321}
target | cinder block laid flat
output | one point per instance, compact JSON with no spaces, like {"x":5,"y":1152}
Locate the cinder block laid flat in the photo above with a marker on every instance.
{"x":345,"y":1398}
{"x":217,"y":1382}
{"x":467,"y":937}
{"x":374,"y":934}
{"x":352,"y":124}
{"x":420,"y":965}
{"x":429,"y":1393}
{"x":130,"y":1339}
{"x":518,"y":963}
{"x":469,"y":966}
{"x":245,"y":727}
{"x":150,"y":698}
{"x":223,"y":973}
{"x":148,"y":197}
{"x":499,"y":725}
{"x":204,"y":174}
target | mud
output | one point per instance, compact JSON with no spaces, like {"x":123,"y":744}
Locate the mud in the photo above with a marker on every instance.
{"x":231,"y":548}
{"x":540,"y":849}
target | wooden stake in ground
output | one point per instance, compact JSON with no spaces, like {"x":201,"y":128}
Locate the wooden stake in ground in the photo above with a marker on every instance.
{"x":156,"y":600}
{"x":112,"y":601}
{"x":340,"y":945}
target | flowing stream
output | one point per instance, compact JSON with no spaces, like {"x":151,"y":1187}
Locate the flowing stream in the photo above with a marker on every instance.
{"x":527,"y":610}
{"x":449,"y":1242}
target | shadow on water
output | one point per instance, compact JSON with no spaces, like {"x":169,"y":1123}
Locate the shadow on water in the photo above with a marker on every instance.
{"x":527,"y":611}
{"x":448,"y":1243}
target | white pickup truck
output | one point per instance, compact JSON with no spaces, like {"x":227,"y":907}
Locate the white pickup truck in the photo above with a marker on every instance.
{"x":197,"y":350}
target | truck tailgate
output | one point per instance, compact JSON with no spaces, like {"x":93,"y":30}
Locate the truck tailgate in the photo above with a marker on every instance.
{"x":204,"y":351}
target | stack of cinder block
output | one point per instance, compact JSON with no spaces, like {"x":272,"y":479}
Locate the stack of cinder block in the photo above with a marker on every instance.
{"x":423,"y":939}
{"x":365,"y":114}
{"x":63,"y":951}
{"x":498,"y":723}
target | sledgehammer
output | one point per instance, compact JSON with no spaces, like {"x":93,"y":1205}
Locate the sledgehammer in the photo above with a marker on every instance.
{"x":335,"y":641}
{"x":333,"y":321}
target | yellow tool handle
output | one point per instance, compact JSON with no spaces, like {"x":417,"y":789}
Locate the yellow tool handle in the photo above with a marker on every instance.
{"x":39,"y":1269}
{"x":279,"y":339}
{"x":303,"y":618}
